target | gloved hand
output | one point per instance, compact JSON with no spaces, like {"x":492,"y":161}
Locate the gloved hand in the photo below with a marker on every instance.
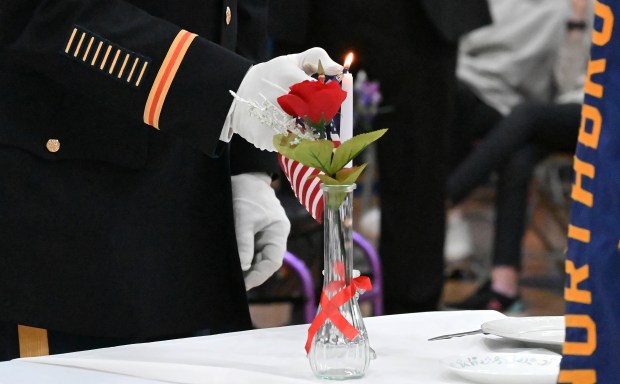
{"x":261,"y":226}
{"x":272,"y":79}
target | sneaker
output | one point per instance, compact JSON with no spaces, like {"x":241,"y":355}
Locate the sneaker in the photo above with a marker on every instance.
{"x":486,"y":298}
{"x":458,"y":243}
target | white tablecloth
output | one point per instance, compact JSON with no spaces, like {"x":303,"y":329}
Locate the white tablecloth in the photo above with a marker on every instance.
{"x":274,"y":355}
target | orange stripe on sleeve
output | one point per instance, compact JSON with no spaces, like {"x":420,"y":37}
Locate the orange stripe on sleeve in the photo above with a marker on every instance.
{"x":165,"y":76}
{"x":105,"y":57}
{"x":118,"y":52}
{"x":133,"y":67}
{"x":90,"y":43}
{"x":141,"y":73}
{"x":32,"y":341}
{"x":96,"y":53}
{"x":77,"y":49}
{"x":120,"y":73}
{"x":71,"y":40}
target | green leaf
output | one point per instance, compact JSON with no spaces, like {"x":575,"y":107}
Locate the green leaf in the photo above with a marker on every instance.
{"x":316,"y":154}
{"x":313,"y":153}
{"x":282,"y":143}
{"x":327,"y":180}
{"x":336,"y":198}
{"x":348,"y":150}
{"x":345,"y":176}
{"x":348,"y":176}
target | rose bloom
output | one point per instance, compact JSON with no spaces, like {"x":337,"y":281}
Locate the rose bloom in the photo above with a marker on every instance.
{"x":313,"y":100}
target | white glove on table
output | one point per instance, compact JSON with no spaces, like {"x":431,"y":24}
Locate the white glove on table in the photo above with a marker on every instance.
{"x":282,"y":71}
{"x":261,"y":226}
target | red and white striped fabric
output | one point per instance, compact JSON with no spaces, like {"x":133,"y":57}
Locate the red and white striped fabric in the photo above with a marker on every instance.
{"x":308,"y":192}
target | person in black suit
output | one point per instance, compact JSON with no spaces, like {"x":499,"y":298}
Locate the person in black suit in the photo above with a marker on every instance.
{"x":118,"y":186}
{"x":410,"y":48}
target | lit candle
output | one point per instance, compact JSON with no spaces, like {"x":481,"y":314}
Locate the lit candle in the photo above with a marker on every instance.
{"x":346,"y":110}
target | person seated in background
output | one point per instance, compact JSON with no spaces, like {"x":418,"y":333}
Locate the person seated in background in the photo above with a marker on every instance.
{"x":519,"y":100}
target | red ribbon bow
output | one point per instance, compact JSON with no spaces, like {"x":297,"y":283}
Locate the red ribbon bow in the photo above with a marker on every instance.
{"x":329,"y":310}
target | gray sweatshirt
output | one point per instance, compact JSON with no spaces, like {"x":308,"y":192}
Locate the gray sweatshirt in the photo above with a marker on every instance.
{"x":513,"y":59}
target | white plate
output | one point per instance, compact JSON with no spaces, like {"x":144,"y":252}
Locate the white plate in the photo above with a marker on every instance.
{"x":537,"y":329}
{"x":506,"y":368}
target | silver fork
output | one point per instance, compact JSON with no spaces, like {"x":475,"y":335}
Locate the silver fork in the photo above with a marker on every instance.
{"x":451,"y":335}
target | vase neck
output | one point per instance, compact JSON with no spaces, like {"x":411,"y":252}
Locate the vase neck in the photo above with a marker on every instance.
{"x":338,"y":231}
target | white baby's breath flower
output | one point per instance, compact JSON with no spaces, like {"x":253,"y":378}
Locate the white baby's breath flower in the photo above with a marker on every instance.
{"x":275,"y":118}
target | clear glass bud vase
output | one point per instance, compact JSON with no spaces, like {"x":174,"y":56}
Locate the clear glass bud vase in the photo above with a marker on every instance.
{"x":339,"y":349}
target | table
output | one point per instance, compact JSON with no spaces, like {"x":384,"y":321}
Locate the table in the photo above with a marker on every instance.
{"x":273,"y":355}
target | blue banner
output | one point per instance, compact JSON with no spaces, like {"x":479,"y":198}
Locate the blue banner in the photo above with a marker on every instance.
{"x":591,"y":350}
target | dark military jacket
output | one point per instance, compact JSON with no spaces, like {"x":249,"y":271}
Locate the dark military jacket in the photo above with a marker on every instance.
{"x":115,"y":199}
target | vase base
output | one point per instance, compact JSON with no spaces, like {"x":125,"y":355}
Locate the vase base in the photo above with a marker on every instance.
{"x":339,"y":374}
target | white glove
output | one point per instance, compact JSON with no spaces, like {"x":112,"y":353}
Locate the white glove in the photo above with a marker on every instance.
{"x":272,"y":79}
{"x":261,"y":226}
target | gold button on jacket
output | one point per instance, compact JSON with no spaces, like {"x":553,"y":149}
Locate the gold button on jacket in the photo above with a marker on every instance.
{"x":228,"y":15}
{"x":53,"y":145}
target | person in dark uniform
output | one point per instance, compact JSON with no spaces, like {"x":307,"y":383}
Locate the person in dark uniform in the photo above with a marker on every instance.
{"x":410,"y":47}
{"x":125,"y":216}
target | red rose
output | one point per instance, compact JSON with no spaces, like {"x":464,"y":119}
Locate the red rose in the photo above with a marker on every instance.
{"x":313,"y":100}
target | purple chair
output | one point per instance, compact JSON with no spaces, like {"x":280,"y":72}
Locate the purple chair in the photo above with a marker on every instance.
{"x":376,"y":294}
{"x":305,"y":277}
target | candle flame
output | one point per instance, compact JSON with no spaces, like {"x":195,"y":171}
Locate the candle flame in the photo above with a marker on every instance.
{"x":348,"y":61}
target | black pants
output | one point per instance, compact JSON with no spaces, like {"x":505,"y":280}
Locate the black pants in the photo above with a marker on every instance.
{"x":413,"y":171}
{"x":60,"y":342}
{"x":483,"y":142}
